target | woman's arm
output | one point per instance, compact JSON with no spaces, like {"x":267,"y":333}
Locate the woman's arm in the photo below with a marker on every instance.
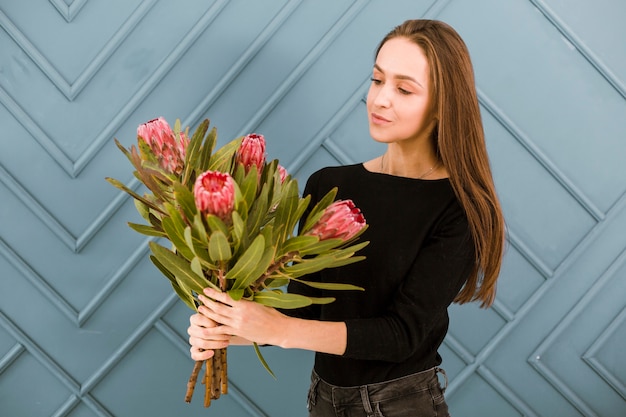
{"x":265,"y":325}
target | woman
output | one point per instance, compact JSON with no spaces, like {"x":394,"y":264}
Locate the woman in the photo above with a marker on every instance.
{"x":436,"y":236}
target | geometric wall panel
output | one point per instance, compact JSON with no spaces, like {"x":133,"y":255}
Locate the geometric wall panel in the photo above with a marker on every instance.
{"x":89,"y":328}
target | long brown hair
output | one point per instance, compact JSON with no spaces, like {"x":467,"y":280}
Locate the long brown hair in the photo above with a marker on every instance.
{"x":459,"y":142}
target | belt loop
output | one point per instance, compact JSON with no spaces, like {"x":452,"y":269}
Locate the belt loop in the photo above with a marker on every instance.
{"x":366,"y":401}
{"x":445,"y":377}
{"x":312,"y":397}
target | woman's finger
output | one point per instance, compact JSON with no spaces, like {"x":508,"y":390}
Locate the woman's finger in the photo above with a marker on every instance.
{"x":222,"y":297}
{"x":201,"y":320}
{"x":200,"y":354}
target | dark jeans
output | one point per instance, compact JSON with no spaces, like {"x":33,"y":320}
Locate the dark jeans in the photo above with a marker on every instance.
{"x":416,"y":395}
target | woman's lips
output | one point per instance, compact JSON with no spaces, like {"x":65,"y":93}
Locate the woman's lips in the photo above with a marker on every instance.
{"x":378,"y":119}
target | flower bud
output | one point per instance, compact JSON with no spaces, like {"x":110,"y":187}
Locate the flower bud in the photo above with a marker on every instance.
{"x":341,"y":220}
{"x":283,"y":173}
{"x":168,"y":150}
{"x":214,"y":193}
{"x":252,"y":152}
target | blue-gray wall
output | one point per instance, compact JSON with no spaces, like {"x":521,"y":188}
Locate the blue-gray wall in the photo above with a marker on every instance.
{"x":88,"y":327}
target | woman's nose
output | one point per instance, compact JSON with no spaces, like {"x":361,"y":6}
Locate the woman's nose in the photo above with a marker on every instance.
{"x":382,"y":97}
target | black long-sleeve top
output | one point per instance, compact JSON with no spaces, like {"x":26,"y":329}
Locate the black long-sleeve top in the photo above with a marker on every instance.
{"x":419,"y":256}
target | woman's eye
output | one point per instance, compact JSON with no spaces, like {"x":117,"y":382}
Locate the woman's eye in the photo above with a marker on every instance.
{"x":403,"y":91}
{"x":375,"y":80}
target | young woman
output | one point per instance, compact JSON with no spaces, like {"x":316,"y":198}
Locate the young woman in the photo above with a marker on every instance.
{"x":436,"y":236}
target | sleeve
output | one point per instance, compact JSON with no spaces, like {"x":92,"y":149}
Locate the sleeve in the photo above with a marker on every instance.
{"x":312,"y":311}
{"x":419,"y":306}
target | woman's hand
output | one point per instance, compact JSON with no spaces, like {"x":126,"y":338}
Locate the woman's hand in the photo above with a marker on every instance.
{"x":204,"y":338}
{"x":246,"y":319}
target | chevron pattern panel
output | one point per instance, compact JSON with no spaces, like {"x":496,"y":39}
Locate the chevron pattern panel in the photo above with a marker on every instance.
{"x":89,"y":328}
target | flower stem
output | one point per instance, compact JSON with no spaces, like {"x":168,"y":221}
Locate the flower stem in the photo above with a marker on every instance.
{"x":191,"y":384}
{"x":273,"y":268}
{"x":208,"y":381}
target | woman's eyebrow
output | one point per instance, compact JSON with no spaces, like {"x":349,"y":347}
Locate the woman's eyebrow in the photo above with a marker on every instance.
{"x":400,"y":76}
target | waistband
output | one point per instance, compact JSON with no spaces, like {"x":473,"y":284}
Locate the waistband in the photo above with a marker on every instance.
{"x":375,"y":392}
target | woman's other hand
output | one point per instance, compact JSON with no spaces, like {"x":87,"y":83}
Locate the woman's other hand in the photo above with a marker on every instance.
{"x":204,"y":337}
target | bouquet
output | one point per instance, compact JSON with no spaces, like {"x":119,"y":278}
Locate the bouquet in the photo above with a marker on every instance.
{"x":230,"y":217}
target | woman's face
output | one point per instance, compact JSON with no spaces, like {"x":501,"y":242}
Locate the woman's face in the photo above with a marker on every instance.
{"x":398,"y":102}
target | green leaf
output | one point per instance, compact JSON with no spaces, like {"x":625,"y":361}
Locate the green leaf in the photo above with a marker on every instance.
{"x":286,"y":212}
{"x":216,"y":224}
{"x":219,"y":248}
{"x":207,"y":149}
{"x":196,"y":266}
{"x":322,"y":300}
{"x":298,"y":243}
{"x":321,"y":247}
{"x":199,"y":231}
{"x":222,"y":159}
{"x":146,"y":230}
{"x":262,"y":360}
{"x":257,"y":213}
{"x":330,"y":285}
{"x":261,"y":267}
{"x":180,"y":268}
{"x":346,"y":261}
{"x":133,"y":194}
{"x":238,"y":230}
{"x":318,"y":210}
{"x":248,"y":186}
{"x":184,"y":197}
{"x":236,"y":294}
{"x":142,"y":209}
{"x":279,"y":299}
{"x":349,"y":251}
{"x":246,"y":266}
{"x":192,"y":157}
{"x":176,"y":234}
{"x":308,"y":266}
{"x":276,"y":282}
{"x":182,"y":292}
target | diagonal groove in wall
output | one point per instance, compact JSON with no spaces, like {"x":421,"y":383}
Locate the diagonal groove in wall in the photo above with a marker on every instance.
{"x":542,"y":158}
{"x":36,"y":208}
{"x":146,"y":88}
{"x":128,"y":344}
{"x":461,"y":351}
{"x":69,"y":12}
{"x":52,"y":223}
{"x":566,"y":322}
{"x":234,"y":391}
{"x":37,"y":132}
{"x":303,"y":67}
{"x":328,"y":127}
{"x":243,"y":60}
{"x":590,"y":355}
{"x":73,"y":169}
{"x":38,"y":282}
{"x":118,"y":276}
{"x":71,"y":91}
{"x":505,"y":392}
{"x":557,"y":275}
{"x":41,"y":356}
{"x":11,"y":356}
{"x":529,"y":254}
{"x":587,"y":53}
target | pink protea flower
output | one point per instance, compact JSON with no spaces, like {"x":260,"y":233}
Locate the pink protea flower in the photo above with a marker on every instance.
{"x":341,"y":220}
{"x":252,"y":152}
{"x":283,"y":173}
{"x":169,"y":150}
{"x":214,"y":193}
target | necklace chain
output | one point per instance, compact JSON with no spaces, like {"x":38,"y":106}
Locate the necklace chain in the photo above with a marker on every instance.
{"x":424,"y":175}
